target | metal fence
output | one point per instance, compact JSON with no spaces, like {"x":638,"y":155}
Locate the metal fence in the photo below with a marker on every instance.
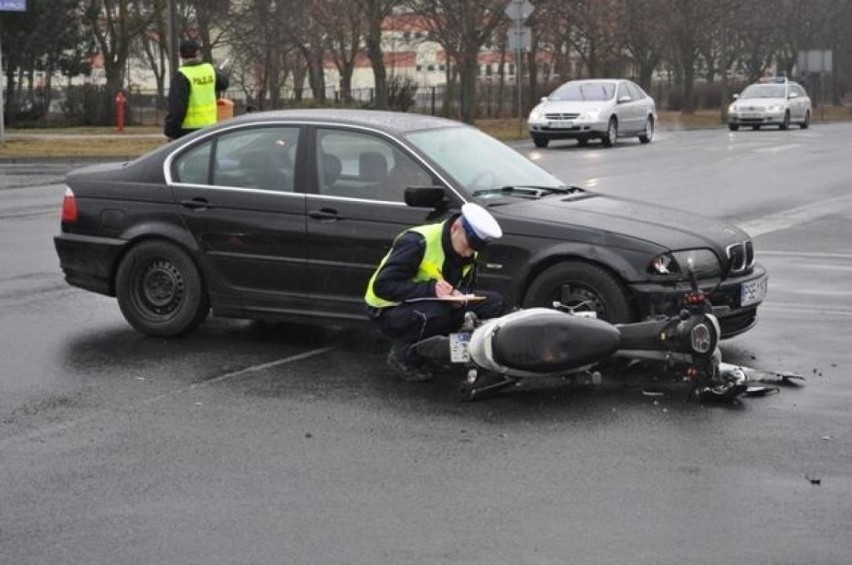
{"x":93,"y":106}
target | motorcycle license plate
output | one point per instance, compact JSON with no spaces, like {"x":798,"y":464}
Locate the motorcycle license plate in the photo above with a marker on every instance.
{"x":754,"y":291}
{"x":459,"y":347}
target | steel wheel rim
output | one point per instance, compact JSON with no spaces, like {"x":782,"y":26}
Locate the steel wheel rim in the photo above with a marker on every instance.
{"x":579,"y":298}
{"x":159,"y":289}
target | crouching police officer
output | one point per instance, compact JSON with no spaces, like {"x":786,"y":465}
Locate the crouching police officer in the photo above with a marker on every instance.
{"x":418,"y":288}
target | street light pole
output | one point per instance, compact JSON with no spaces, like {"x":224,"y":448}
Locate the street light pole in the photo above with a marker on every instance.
{"x":173,"y":36}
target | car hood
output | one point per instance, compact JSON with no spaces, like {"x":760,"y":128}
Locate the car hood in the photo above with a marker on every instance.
{"x":623,"y":219}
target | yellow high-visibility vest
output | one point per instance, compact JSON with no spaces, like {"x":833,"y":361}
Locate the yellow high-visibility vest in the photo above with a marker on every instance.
{"x":430,"y":265}
{"x":201,"y":108}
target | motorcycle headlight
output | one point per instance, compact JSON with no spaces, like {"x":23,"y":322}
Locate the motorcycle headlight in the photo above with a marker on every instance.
{"x":702,"y":262}
{"x":704,"y":336}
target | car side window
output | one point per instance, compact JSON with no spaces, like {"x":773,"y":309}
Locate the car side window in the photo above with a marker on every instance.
{"x":358,"y":165}
{"x":636,"y":93}
{"x":623,"y":91}
{"x":193,"y":167}
{"x":262,"y":158}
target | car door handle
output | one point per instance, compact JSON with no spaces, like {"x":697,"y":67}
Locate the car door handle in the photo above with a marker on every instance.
{"x":196,"y":204}
{"x":324,"y":215}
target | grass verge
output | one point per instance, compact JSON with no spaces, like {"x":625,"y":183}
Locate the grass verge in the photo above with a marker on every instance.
{"x":134,"y":141}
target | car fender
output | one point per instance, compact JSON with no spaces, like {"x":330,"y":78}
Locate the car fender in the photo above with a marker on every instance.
{"x":568,"y":251}
{"x":167,"y":232}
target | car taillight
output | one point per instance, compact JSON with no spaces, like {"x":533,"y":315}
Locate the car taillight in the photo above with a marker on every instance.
{"x":69,"y":207}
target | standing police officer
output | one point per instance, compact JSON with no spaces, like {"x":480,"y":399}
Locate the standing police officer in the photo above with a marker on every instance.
{"x":419,"y":288}
{"x":192,"y":93}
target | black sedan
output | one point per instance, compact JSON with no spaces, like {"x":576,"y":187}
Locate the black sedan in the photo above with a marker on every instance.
{"x":284,"y":216}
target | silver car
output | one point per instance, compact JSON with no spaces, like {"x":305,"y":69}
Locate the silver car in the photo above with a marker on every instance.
{"x":773,"y":101}
{"x":604,"y":109}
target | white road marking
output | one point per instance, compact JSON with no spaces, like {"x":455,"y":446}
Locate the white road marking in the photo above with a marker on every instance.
{"x":44,"y":432}
{"x":794,"y":216}
{"x":264,"y":366}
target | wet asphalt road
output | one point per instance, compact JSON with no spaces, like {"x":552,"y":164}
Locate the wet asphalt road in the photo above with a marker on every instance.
{"x":253,"y":443}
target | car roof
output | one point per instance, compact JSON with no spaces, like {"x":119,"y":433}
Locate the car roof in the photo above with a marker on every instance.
{"x":392,"y":122}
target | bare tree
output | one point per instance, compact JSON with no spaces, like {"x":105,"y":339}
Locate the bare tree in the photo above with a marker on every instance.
{"x":462,"y":27}
{"x":114,"y":25}
{"x":376,"y":11}
{"x":344,"y":24}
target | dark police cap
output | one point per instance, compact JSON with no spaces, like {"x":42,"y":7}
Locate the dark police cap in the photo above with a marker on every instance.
{"x":188,"y":49}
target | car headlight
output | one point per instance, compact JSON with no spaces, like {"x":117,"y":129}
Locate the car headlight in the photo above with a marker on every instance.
{"x":591,"y":114}
{"x":702,"y":262}
{"x":775,"y":108}
{"x":732,"y":109}
{"x":535,"y":115}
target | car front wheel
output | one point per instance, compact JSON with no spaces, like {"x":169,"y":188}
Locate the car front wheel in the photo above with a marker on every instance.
{"x":807,"y":120}
{"x":785,"y":124}
{"x":733,"y":127}
{"x":579,"y":286}
{"x":540,"y":141}
{"x":611,"y":133}
{"x":160,"y":291}
{"x":649,"y":131}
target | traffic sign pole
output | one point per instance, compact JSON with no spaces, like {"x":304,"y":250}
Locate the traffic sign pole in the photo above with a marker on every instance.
{"x":518,"y":11}
{"x":6,"y":6}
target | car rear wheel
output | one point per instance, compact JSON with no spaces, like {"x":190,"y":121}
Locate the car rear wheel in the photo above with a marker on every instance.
{"x":649,"y":131}
{"x":733,"y":127}
{"x":807,"y":120}
{"x":540,"y":141}
{"x":785,"y":124}
{"x":160,"y":291}
{"x":611,"y":133}
{"x":581,"y":286}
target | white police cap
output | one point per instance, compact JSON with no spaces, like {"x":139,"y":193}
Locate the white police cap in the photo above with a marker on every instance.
{"x":479,"y":225}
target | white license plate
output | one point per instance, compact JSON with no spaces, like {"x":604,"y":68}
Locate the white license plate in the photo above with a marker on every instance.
{"x":560,"y":124}
{"x":458,"y":347}
{"x":751,"y":115}
{"x":754,"y":291}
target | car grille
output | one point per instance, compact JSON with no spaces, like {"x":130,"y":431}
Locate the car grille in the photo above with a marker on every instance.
{"x":740,"y":256}
{"x":562,"y":116}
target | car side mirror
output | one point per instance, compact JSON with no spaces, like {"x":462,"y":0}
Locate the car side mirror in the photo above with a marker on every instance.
{"x":735,"y":96}
{"x":425,"y":197}
{"x":543,"y":99}
{"x":624,"y":99}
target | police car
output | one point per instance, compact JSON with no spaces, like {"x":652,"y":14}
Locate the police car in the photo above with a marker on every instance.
{"x":773,"y":101}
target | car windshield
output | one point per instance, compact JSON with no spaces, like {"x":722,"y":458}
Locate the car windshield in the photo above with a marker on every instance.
{"x":479,"y":162}
{"x":583,"y":92}
{"x":764,"y":91}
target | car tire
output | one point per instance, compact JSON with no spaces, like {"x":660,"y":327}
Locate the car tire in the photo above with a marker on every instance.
{"x":582,"y":141}
{"x":733,"y":127}
{"x":540,"y":141}
{"x":807,"y":121}
{"x":785,"y":123}
{"x":160,"y":290}
{"x":755,"y":128}
{"x":649,"y":131}
{"x":582,"y":286}
{"x":611,"y":136}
